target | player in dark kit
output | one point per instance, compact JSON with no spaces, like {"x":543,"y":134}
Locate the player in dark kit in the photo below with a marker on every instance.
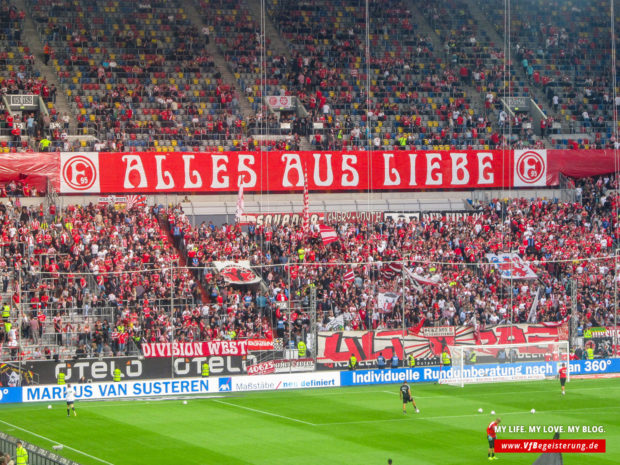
{"x":405,"y":395}
{"x":491,"y":436}
{"x":563,"y":374}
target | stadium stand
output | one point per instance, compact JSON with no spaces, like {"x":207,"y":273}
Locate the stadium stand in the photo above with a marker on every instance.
{"x":143,"y":76}
{"x":101,"y":280}
{"x":568,"y":58}
{"x":141,"y":79}
{"x":20,"y":76}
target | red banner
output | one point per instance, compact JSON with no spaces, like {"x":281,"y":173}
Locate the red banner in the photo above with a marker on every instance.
{"x":550,"y":446}
{"x":153,"y":172}
{"x":217,"y":172}
{"x":282,"y":366}
{"x":337,"y":347}
{"x":33,"y":169}
{"x":194,"y":349}
{"x":263,"y":368}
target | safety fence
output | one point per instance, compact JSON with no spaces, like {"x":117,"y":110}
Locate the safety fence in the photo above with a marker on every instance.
{"x":36,"y":454}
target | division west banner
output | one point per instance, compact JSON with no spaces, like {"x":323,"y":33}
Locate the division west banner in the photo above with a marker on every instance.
{"x":194,"y":349}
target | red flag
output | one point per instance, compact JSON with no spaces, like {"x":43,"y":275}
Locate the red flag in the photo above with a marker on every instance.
{"x":328,"y":234}
{"x":306,"y":210}
{"x":349,"y":276}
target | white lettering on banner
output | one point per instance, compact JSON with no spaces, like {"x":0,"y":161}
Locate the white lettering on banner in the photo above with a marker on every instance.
{"x":385,"y":376}
{"x":155,"y":172}
{"x":412,"y":165}
{"x":493,"y":372}
{"x":432,"y":163}
{"x":292,"y":161}
{"x":484,"y":166}
{"x":460,"y":174}
{"x":189,"y":173}
{"x":98,"y":369}
{"x":243,"y":167}
{"x":217,"y":169}
{"x":329,"y":178}
{"x":228,"y":347}
{"x":279,"y":219}
{"x":134,"y":163}
{"x":262,"y":368}
{"x":260,"y":344}
{"x":161,"y":183}
{"x":194,"y":349}
{"x":351,"y":178}
{"x":282,"y":366}
{"x":391,"y":176}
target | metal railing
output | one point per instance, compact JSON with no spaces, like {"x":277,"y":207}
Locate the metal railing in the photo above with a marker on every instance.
{"x":36,"y":454}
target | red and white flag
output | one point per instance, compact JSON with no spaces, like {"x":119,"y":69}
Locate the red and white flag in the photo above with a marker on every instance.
{"x":349,"y":276}
{"x":135,"y":201}
{"x":391,"y":270}
{"x":328,"y":234}
{"x":240,"y":205}
{"x":306,"y":210}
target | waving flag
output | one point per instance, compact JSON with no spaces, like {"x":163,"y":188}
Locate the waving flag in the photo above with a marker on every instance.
{"x":511,"y":266}
{"x":391,"y":270}
{"x":386,"y":301}
{"x":349,"y":276}
{"x":240,"y":205}
{"x":328,"y":234}
{"x":135,"y":201}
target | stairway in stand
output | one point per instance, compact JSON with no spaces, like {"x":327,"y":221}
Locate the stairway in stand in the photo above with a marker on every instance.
{"x":204,"y":296}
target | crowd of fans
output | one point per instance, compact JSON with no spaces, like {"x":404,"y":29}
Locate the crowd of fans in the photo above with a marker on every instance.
{"x":94,"y":280}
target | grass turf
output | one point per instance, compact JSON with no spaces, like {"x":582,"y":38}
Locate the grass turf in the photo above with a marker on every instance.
{"x":356,"y":425}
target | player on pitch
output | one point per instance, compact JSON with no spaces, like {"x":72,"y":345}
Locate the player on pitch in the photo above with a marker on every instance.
{"x":405,"y":395}
{"x":492,"y":436}
{"x":563,"y":374}
{"x":70,"y":398}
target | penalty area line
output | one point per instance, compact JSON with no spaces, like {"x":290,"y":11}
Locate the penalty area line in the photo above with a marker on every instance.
{"x":56,"y":442}
{"x":264,"y":412}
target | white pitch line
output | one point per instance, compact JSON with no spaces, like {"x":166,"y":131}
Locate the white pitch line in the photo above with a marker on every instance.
{"x":56,"y":442}
{"x":503,"y":393}
{"x":462,"y":416}
{"x":390,"y":392}
{"x":265,"y":413}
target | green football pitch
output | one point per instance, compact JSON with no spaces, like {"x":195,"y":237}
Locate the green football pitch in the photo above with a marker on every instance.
{"x":353,"y":425}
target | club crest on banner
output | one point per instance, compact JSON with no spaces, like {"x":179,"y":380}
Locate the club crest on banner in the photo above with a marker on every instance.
{"x":530,"y":168}
{"x":79,"y":172}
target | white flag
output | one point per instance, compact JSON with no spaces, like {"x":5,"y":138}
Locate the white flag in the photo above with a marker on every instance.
{"x":240,"y":205}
